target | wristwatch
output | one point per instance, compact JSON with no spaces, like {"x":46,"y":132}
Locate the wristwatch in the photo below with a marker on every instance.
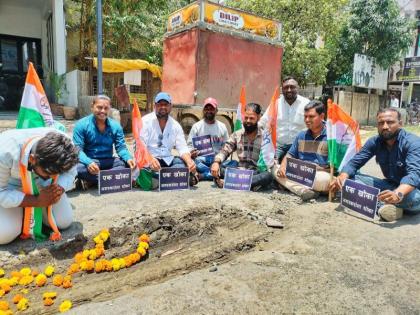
{"x":399,"y":194}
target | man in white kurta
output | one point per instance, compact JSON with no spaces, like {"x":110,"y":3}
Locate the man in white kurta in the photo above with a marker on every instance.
{"x":290,"y":116}
{"x":13,"y":199}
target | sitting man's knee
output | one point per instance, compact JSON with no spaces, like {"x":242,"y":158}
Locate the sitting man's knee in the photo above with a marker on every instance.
{"x":9,"y":233}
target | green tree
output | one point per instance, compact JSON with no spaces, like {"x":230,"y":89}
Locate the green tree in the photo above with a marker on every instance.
{"x":374,"y":28}
{"x":304,"y":23}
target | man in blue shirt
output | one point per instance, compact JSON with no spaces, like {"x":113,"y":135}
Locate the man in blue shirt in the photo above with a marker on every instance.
{"x":398,"y":154}
{"x":96,"y":135}
{"x":311,"y":146}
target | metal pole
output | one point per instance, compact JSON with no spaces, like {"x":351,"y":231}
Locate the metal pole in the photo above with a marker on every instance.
{"x":368,"y":108}
{"x":99,"y":43}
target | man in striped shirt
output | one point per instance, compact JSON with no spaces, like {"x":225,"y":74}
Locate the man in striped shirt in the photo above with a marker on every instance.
{"x":310,"y":145}
{"x":246,"y":142}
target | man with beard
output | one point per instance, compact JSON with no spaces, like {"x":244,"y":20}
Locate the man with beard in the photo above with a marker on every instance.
{"x":311,"y":146}
{"x":161,"y":133}
{"x":289,"y":118}
{"x":247,"y":144}
{"x":218,"y":133}
{"x":398,"y":154}
{"x":96,"y":135}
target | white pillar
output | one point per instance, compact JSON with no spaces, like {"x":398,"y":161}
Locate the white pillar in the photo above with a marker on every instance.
{"x":59,"y":31}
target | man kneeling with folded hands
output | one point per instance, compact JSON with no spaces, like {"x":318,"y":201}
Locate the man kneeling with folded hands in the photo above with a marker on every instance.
{"x":311,"y":146}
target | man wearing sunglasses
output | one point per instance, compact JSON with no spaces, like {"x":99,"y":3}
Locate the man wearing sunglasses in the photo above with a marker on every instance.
{"x":161,"y":133}
{"x":42,"y":154}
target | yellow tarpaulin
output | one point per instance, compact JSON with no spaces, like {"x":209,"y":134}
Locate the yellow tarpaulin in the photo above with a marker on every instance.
{"x":110,"y":65}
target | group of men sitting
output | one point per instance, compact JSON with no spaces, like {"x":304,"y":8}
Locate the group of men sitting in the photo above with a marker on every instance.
{"x":301,"y":134}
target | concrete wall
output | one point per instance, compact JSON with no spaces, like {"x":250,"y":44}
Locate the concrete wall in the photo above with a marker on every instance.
{"x":76,"y":86}
{"x":359,"y":107}
{"x":18,"y":20}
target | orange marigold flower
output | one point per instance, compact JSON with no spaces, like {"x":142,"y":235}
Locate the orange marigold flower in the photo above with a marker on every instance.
{"x":4,"y":306}
{"x":100,"y":251}
{"x":23,"y":304}
{"x":25,"y":271}
{"x":5,"y":287}
{"x":40,"y":280}
{"x":144,"y":238}
{"x":35,"y":272}
{"x":67,"y":282}
{"x":99,"y":266}
{"x":48,"y":301}
{"x":49,"y":295}
{"x":141,"y":251}
{"x":74,"y":268}
{"x":65,"y":306}
{"x":49,"y":271}
{"x":78,"y":258}
{"x":25,"y":280}
{"x":108,"y":265}
{"x":15,"y":274}
{"x":136,"y":257}
{"x":90,"y":265}
{"x":58,"y":280}
{"x":17,"y":298}
{"x":128,"y":262}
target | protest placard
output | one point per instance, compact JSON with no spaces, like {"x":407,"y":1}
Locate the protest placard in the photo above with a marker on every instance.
{"x":301,"y":172}
{"x":360,"y":198}
{"x":176,"y":178}
{"x":203,"y":145}
{"x":110,"y":181}
{"x":237,"y":179}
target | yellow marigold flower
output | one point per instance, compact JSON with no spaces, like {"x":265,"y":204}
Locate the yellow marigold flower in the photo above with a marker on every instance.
{"x":25,"y":280}
{"x":23,"y":304}
{"x":58,"y":280}
{"x":98,"y":240}
{"x":115,"y":264}
{"x":90,"y":265}
{"x":144,"y":238}
{"x":2,"y":292}
{"x":65,"y":306}
{"x":122,"y":263}
{"x":74,"y":268}
{"x":83,"y":265}
{"x":8,"y":312}
{"x":104,"y":234}
{"x":92,"y":254}
{"x":49,"y":271}
{"x":78,"y":258}
{"x":4,"y":305}
{"x":17,"y":298}
{"x":6,"y":287}
{"x":86,"y":253}
{"x":1,"y":272}
{"x":25,"y":271}
{"x":40,"y":280}
{"x":49,"y":295}
{"x":13,"y":281}
{"x":145,"y":245}
{"x":48,"y":302}
{"x":141,"y":251}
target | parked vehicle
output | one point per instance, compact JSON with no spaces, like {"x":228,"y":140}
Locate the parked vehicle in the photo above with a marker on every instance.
{"x":212,"y":50}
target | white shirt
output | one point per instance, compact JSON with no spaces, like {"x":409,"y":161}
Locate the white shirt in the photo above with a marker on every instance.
{"x":394,"y":103}
{"x":217,"y":131}
{"x":160,"y":144}
{"x":12,"y":141}
{"x":290,"y":119}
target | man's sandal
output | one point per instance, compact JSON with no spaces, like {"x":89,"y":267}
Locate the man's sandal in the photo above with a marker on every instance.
{"x":194,"y":179}
{"x":219,"y":182}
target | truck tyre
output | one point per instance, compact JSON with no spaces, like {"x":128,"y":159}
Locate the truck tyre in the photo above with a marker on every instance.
{"x":187,"y":121}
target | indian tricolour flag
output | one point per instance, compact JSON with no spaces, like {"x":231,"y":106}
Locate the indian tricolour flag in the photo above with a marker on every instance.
{"x":34,"y":109}
{"x":240,"y":112}
{"x":268,"y":144}
{"x":343,"y":136}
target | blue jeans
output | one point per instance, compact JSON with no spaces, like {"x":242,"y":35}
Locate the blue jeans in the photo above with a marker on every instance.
{"x":113,"y":163}
{"x":204,"y":163}
{"x":176,"y":162}
{"x":410,"y":203}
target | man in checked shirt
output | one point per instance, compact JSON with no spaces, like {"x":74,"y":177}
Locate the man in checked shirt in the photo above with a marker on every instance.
{"x":247,"y":143}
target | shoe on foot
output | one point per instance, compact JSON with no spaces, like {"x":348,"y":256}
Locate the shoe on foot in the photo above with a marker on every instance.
{"x":308,"y":195}
{"x":256,"y":188}
{"x":81,"y":184}
{"x":390,"y":213}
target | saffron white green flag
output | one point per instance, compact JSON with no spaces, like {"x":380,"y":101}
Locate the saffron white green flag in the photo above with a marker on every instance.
{"x":34,"y":109}
{"x":268,"y":144}
{"x":240,"y":112}
{"x":342,"y":135}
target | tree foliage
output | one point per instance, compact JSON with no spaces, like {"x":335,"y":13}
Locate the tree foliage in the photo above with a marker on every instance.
{"x":373,"y":28}
{"x":304,"y":22}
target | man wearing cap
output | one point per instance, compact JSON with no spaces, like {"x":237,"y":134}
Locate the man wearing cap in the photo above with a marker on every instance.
{"x":218,"y":133}
{"x":161,"y":133}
